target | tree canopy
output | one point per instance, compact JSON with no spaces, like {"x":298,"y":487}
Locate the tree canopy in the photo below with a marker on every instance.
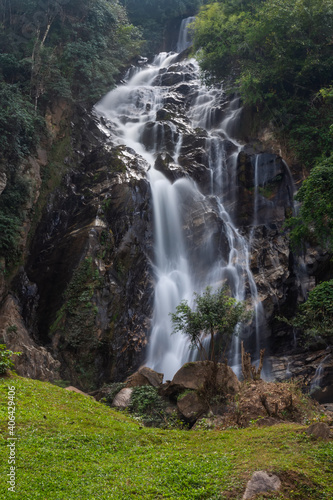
{"x":278,"y":56}
{"x":213,"y":314}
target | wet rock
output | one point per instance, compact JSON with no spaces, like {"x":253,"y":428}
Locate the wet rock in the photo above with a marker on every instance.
{"x":314,"y":372}
{"x":171,"y":170}
{"x":184,"y":89}
{"x":145,"y":376}
{"x":168,"y":79}
{"x":261,"y":482}
{"x":123,"y":398}
{"x":319,"y":430}
{"x":101,"y":214}
{"x":265,"y":189}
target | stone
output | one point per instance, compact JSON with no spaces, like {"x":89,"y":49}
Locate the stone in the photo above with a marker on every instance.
{"x":267,"y":422}
{"x":145,"y":376}
{"x":319,"y":430}
{"x":261,"y":482}
{"x":75,"y":389}
{"x":191,"y":406}
{"x":194,"y":375}
{"x":123,"y":398}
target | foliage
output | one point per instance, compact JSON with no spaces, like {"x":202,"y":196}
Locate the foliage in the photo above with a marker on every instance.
{"x":12,"y":201}
{"x":212,"y":314}
{"x":72,"y":447}
{"x":315,"y":316}
{"x":18,"y":123}
{"x":65,"y":49}
{"x":5,"y":362}
{"x":315,"y":220}
{"x":147,"y":403}
{"x":278,"y":56}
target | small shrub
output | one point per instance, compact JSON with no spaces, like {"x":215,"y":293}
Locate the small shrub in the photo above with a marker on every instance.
{"x":5,"y":362}
{"x":11,"y":329}
{"x":148,"y":404}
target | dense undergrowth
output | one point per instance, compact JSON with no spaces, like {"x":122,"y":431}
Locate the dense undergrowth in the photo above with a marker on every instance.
{"x":71,"y":447}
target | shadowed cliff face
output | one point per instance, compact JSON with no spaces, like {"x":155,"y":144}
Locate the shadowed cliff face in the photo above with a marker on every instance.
{"x":89,"y":265}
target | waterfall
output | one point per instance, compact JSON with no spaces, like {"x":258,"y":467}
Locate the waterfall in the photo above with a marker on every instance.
{"x":184,"y":39}
{"x":196,"y":242}
{"x":317,"y":378}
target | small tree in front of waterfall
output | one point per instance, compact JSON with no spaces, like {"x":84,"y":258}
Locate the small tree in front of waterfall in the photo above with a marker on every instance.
{"x":214,"y":315}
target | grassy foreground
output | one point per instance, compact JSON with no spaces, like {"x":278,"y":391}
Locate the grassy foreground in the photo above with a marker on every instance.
{"x":71,"y":447}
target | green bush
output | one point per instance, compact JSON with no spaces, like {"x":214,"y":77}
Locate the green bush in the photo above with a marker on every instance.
{"x":5,"y":362}
{"x":315,"y":220}
{"x":315,"y":316}
{"x":147,"y":403}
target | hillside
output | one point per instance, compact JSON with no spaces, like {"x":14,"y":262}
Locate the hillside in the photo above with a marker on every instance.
{"x":71,"y":447}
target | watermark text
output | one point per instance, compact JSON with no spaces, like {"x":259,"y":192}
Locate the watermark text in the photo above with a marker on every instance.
{"x":11,"y":440}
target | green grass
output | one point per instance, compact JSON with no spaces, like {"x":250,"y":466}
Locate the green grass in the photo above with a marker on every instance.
{"x":71,"y":447}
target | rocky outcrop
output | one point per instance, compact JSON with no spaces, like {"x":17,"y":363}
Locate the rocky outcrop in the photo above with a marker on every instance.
{"x":313,"y":370}
{"x":319,"y":430}
{"x":199,"y":374}
{"x":88,"y":272}
{"x":191,"y":407}
{"x":145,"y":376}
{"x":96,"y":231}
{"x":35,"y":361}
{"x":261,"y":482}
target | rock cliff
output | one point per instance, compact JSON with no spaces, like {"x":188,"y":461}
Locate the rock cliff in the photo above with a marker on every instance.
{"x":80,"y":307}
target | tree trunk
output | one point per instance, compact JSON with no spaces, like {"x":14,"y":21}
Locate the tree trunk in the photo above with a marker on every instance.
{"x":249,"y":371}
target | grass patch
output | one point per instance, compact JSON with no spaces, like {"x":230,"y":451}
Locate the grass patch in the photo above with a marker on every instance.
{"x":71,"y":447}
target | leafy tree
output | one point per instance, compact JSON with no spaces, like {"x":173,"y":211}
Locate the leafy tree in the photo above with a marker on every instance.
{"x":315,"y":316}
{"x":315,"y":220}
{"x":213,"y":315}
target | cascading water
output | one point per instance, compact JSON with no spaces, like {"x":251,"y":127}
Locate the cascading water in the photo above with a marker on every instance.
{"x":184,"y":39}
{"x":196,"y":242}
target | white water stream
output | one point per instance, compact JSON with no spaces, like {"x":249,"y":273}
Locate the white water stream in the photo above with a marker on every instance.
{"x":130,"y":108}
